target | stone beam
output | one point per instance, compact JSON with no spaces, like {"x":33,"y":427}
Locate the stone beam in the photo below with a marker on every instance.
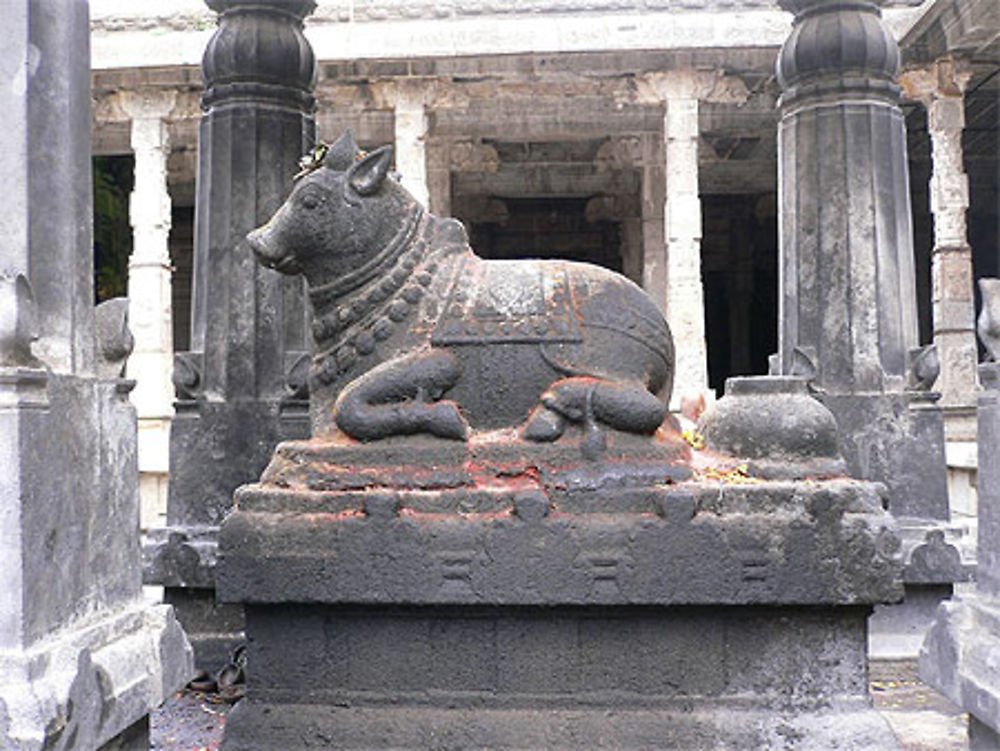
{"x":527,"y":181}
{"x":949,"y":27}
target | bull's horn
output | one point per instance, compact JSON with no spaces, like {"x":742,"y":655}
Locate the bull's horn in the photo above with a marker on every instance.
{"x":340,"y":156}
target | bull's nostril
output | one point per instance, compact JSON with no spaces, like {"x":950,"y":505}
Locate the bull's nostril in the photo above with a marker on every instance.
{"x":255,"y":240}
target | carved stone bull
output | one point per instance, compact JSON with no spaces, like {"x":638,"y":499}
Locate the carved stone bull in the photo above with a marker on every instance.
{"x":416,"y":334}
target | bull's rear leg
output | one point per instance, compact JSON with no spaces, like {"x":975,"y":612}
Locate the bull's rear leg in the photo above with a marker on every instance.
{"x":400,"y":397}
{"x":624,"y":406}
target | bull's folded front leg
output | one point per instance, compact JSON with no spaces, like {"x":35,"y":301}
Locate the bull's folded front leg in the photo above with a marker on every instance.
{"x":399,"y":397}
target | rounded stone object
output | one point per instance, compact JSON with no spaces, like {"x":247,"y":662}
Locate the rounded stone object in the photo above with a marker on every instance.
{"x":365,"y":343}
{"x":770,"y":417}
{"x":837,"y":39}
{"x":260,"y":42}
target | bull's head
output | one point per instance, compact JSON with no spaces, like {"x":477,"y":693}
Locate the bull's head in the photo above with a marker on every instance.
{"x":341,"y":212}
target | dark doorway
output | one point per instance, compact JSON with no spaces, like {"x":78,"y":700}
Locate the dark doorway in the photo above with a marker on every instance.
{"x":739,"y":254}
{"x":113,"y":179}
{"x":182,"y":258}
{"x":548,"y":228}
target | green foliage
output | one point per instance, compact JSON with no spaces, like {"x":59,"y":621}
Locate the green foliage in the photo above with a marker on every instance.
{"x":112,"y":232}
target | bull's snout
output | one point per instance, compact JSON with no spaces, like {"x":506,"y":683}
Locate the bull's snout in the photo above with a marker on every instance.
{"x":270,"y":253}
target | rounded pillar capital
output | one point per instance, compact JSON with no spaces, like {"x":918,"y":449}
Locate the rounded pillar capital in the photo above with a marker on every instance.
{"x":259,"y":52}
{"x":296,"y":8}
{"x":799,"y":7}
{"x":835,"y":48}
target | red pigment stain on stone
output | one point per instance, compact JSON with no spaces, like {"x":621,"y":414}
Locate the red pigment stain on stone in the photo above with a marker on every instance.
{"x":446,"y":516}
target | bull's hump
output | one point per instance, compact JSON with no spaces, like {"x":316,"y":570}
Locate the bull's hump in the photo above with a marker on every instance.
{"x":508,"y":301}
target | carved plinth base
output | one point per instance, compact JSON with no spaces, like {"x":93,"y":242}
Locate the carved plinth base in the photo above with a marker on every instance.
{"x":467,"y":601}
{"x":898,"y":439}
{"x":557,"y":677}
{"x":91,"y":685}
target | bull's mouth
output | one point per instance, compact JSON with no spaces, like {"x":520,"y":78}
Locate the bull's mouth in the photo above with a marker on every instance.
{"x":285,"y":264}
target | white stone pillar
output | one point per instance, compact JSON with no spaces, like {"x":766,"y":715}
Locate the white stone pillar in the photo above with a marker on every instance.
{"x":679,"y":92}
{"x":149,"y":296}
{"x":409,"y":100}
{"x":940,"y":88}
{"x":685,"y":308}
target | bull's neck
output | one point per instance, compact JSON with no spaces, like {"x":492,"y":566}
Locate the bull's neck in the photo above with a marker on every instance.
{"x":383,"y":260}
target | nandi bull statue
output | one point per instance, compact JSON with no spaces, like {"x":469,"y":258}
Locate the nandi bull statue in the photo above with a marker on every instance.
{"x":416,"y":334}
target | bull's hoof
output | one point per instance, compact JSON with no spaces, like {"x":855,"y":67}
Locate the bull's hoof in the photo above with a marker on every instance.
{"x":445,"y":421}
{"x":544,"y":425}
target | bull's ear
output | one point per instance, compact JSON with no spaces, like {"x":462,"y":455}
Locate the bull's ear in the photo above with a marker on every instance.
{"x":366,"y":175}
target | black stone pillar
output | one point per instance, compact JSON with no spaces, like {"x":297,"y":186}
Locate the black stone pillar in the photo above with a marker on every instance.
{"x":848,"y":311}
{"x":848,"y":294}
{"x":238,"y":388}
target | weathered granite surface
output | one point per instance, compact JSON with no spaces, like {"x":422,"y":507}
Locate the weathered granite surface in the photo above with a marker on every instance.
{"x":502,"y":592}
{"x":496,"y":536}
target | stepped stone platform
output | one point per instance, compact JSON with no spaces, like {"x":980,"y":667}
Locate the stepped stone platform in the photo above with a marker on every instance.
{"x":414,"y":593}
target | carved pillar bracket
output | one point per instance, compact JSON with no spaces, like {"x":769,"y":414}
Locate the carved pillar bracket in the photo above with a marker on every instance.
{"x":675,"y":281}
{"x":848,"y":296}
{"x":940,"y":87}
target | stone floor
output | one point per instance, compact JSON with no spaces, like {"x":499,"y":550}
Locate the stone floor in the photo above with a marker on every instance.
{"x":922,"y":719}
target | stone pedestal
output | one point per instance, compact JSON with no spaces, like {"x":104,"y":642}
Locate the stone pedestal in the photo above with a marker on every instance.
{"x":242,"y":387}
{"x":82,"y":657}
{"x":959,"y":656}
{"x":847,"y":312}
{"x":503,"y":594}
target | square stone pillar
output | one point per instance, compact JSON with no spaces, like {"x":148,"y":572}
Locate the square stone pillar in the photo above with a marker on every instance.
{"x":82,"y":657}
{"x":685,"y":299}
{"x":409,"y":99}
{"x":439,"y":177}
{"x":411,"y":142}
{"x":940,"y":87}
{"x":675,"y":281}
{"x":150,"y":301}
